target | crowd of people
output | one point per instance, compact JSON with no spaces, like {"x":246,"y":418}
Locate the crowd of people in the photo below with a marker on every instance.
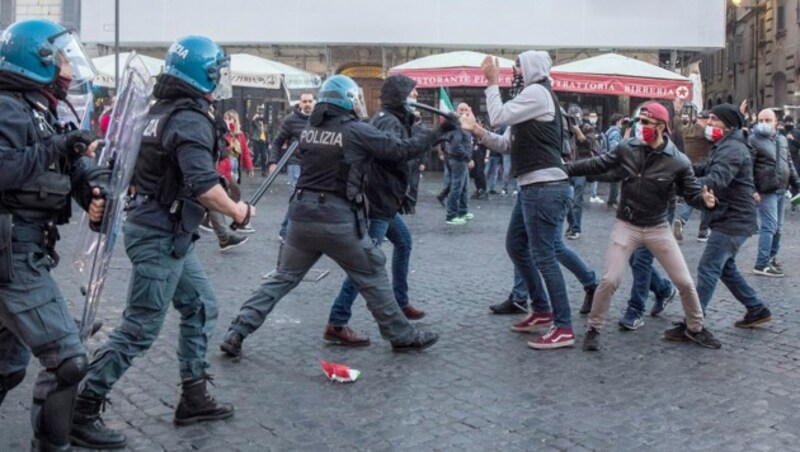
{"x":353,"y":178}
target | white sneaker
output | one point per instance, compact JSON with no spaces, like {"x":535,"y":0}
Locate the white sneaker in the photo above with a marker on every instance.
{"x":596,"y":199}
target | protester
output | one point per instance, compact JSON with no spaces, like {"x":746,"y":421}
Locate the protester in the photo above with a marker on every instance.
{"x":386,"y":192}
{"x":728,"y":172}
{"x":545,"y":192}
{"x":774,"y":173}
{"x":651,"y":168}
{"x":259,"y":139}
{"x":162,"y":220}
{"x":458,"y":155}
{"x":289,"y":133}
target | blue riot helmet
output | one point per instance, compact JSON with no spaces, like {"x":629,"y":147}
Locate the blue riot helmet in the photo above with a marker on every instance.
{"x":201,"y":63}
{"x":39,"y":50}
{"x":343,"y":92}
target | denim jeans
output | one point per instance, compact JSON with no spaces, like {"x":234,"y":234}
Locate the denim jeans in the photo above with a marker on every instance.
{"x":646,"y":279}
{"x":506,"y":171}
{"x":718,"y":262}
{"x":594,"y":189}
{"x":770,"y":217}
{"x":685,"y":212}
{"x":495,"y":161}
{"x":527,"y":278}
{"x":294,"y":173}
{"x":575,"y":211}
{"x":613,"y":193}
{"x":457,"y":196}
{"x":518,"y":291}
{"x":398,"y":234}
{"x":543,"y":209}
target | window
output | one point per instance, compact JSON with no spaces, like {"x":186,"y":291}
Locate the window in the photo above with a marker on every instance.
{"x":7,"y":13}
{"x":71,"y":14}
{"x":780,"y":18}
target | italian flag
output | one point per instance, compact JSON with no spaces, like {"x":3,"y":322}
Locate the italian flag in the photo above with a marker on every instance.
{"x":444,"y":102}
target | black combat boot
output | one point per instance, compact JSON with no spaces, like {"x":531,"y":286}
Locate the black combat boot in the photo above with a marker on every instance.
{"x":197,"y":405}
{"x":89,"y":430}
{"x":42,"y":444}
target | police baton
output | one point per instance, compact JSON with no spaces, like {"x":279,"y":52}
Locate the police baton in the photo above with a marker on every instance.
{"x":448,"y":115}
{"x":265,"y":185}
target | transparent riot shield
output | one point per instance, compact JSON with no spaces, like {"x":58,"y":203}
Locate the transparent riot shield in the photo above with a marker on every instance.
{"x":119,"y":155}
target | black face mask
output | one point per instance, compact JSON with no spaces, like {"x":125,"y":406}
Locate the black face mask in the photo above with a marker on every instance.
{"x":788,"y":126}
{"x":517,"y":85}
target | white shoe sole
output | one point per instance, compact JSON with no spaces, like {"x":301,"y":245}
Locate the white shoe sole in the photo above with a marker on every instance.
{"x":551,"y":346}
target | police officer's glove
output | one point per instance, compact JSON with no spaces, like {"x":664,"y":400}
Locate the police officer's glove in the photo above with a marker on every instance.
{"x":73,"y":144}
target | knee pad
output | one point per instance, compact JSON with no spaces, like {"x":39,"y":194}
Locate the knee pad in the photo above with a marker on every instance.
{"x":72,"y":370}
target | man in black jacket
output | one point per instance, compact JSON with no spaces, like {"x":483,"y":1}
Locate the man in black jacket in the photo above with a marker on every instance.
{"x":729,"y":173}
{"x":387,"y":194}
{"x":774,"y":173}
{"x":289,"y":132}
{"x":651,"y":168}
{"x":458,"y":154}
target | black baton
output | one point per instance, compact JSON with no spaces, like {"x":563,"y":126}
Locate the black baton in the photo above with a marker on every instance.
{"x":447,"y":115}
{"x":266,"y":184}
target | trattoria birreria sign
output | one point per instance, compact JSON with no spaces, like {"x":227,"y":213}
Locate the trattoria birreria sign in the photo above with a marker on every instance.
{"x":617,"y":85}
{"x":614,"y":85}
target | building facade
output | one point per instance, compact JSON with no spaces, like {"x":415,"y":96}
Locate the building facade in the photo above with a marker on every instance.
{"x":761,"y":58}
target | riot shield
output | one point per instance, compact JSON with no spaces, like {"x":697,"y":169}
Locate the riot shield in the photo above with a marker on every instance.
{"x":119,"y":155}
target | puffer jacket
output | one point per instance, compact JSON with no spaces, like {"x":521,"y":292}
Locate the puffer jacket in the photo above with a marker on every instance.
{"x":773,"y":170}
{"x":649,"y":179}
{"x":728,"y":171}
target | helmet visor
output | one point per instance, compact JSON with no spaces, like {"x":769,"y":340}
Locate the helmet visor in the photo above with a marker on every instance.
{"x":224,"y":88}
{"x":359,"y":106}
{"x":72,"y":59}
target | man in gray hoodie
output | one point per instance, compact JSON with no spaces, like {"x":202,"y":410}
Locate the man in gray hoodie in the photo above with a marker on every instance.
{"x":534,"y":238}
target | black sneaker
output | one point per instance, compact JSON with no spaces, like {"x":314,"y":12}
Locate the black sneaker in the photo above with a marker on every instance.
{"x":441,"y":197}
{"x":776,"y":264}
{"x":753,"y":318}
{"x":677,"y":333}
{"x":591,"y":340}
{"x":586,"y":307}
{"x":232,"y":241}
{"x":573,"y":235}
{"x":661,"y":303}
{"x":769,"y":271}
{"x":510,"y":306}
{"x":703,"y":235}
{"x":704,"y":338}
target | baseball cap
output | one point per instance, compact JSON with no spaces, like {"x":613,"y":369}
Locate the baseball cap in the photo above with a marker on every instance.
{"x":657,"y":111}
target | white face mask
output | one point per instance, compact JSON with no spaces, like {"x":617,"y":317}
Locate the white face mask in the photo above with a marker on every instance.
{"x":592,"y":121}
{"x":409,"y":102}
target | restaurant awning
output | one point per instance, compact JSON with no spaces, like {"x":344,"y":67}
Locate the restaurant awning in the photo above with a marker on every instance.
{"x":451,"y":69}
{"x":618,"y":75}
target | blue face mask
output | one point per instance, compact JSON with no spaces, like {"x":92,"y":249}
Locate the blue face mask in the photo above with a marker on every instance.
{"x":764,"y":130}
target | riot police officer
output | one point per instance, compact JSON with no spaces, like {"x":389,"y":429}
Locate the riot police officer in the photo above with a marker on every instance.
{"x":328,"y":215}
{"x":41,"y":167}
{"x":175,"y":182}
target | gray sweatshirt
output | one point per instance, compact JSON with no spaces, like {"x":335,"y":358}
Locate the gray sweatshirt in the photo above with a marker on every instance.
{"x":534,"y":102}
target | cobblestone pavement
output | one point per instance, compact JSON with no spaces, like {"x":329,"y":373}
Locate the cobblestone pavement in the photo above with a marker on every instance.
{"x":480,"y":387}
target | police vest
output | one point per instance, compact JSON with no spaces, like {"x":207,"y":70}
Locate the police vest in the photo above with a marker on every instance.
{"x":157,"y":173}
{"x":322,"y":150}
{"x":536,"y":145}
{"x":45,"y":196}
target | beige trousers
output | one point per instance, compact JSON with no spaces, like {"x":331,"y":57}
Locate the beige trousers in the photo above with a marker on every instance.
{"x":625,"y":239}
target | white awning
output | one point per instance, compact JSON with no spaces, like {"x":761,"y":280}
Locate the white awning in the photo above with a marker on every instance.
{"x":614,"y":64}
{"x":105,"y":67}
{"x":257,"y":72}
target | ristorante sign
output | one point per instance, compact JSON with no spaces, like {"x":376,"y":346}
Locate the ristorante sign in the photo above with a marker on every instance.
{"x":615,"y":85}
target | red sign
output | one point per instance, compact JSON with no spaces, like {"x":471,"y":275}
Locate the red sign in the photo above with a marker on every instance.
{"x":614,"y":85}
{"x":617,"y":85}
{"x":449,"y":77}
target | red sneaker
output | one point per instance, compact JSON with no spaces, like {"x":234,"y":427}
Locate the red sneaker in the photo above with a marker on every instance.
{"x":538,"y":321}
{"x":557,"y":337}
